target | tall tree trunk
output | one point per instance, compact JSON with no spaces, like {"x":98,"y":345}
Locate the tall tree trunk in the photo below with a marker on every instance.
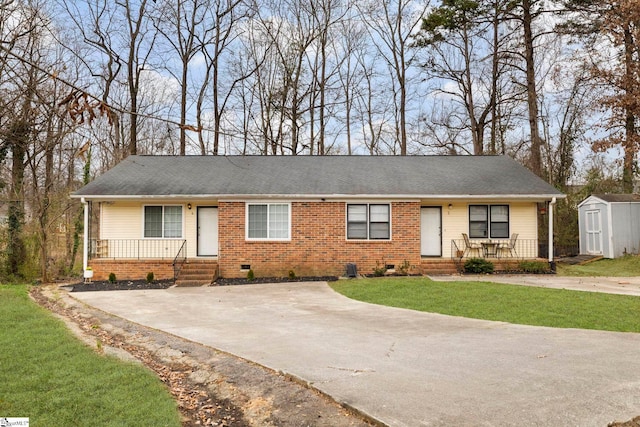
{"x":16,"y":251}
{"x":183,"y":109}
{"x":631,"y":134}
{"x":495,"y":67}
{"x":535,"y":159}
{"x":43,"y":220}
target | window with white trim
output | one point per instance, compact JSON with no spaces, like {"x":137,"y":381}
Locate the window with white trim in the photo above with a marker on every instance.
{"x":268,"y":221}
{"x":163,"y":222}
{"x":368,"y":221}
{"x":489,"y":221}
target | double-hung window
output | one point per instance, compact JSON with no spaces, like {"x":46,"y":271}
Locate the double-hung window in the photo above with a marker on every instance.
{"x":489,"y":221}
{"x":268,"y":221}
{"x":163,"y":222}
{"x":369,"y":221}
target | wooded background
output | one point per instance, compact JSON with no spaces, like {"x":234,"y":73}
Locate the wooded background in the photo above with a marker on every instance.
{"x":84,"y":83}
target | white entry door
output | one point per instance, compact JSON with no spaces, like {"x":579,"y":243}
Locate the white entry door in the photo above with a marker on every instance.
{"x":431,"y":231}
{"x":593,"y":231}
{"x":207,"y":231}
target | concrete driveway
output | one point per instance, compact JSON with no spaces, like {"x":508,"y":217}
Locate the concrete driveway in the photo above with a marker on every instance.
{"x":401,"y":367}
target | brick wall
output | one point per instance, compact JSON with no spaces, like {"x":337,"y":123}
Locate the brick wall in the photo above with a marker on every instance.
{"x":125,"y":269}
{"x":318,"y":243}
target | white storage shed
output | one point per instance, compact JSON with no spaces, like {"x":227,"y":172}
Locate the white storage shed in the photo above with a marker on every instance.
{"x":609,"y":225}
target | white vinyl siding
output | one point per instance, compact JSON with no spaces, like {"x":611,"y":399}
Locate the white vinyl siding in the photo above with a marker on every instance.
{"x":523,"y":219}
{"x":120,"y":220}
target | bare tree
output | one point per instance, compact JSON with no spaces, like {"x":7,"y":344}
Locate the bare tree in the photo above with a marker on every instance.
{"x":122,"y":37}
{"x":351,"y":43}
{"x":456,"y":37}
{"x":392,"y":24}
{"x":182,"y":25}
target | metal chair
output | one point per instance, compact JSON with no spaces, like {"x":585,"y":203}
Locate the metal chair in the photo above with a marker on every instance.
{"x":471,"y":246}
{"x":509,"y":246}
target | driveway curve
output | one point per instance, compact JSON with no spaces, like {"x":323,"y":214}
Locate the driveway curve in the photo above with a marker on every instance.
{"x":402,"y":367}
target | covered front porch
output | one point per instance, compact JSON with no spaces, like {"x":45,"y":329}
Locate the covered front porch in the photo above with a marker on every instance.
{"x":505,"y":249}
{"x":134,"y":258}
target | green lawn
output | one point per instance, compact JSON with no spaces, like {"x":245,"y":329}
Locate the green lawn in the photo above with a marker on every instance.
{"x":492,"y":301}
{"x":627,"y":266}
{"x":48,"y":375}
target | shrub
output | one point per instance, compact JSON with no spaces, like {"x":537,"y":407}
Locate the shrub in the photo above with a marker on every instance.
{"x":112,"y":277}
{"x":379,"y":270}
{"x":404,"y":268}
{"x":478,"y":266}
{"x":150,"y":277}
{"x":250,"y":275}
{"x":534,"y":267}
{"x":292,"y":275}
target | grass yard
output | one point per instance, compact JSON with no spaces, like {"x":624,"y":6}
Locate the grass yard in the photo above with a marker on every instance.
{"x":627,"y":266}
{"x":508,"y":303}
{"x":48,"y":375}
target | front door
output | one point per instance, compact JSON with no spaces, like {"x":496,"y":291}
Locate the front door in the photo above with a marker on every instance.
{"x":207,"y":231}
{"x":431,"y":231}
{"x":593,"y":232}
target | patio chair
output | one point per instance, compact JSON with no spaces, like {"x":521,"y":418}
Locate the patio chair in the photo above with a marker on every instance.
{"x":469,"y":246}
{"x":509,"y":246}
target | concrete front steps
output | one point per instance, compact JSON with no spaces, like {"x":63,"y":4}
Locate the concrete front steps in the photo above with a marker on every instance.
{"x":197,"y":272}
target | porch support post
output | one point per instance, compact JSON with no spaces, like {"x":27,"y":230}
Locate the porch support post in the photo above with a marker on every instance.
{"x":85,"y":238}
{"x":552,"y":264}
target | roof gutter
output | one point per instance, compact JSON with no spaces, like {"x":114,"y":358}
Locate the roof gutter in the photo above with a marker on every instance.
{"x":85,"y":238}
{"x":320,"y":196}
{"x":552,"y":205}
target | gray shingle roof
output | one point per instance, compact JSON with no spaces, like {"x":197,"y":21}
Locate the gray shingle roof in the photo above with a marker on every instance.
{"x":619,"y":198}
{"x":251,"y":176}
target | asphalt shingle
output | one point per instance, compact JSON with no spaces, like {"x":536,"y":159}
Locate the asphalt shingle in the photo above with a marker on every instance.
{"x":220,"y":176}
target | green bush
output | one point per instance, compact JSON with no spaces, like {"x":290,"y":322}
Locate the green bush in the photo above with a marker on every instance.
{"x":150,"y":277}
{"x":112,"y":277}
{"x":478,"y":266}
{"x":292,"y":275}
{"x":379,"y":270}
{"x":404,"y":268}
{"x":534,"y":267}
{"x":250,"y":275}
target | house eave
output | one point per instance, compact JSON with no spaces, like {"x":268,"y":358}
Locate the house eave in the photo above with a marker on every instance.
{"x":336,"y":197}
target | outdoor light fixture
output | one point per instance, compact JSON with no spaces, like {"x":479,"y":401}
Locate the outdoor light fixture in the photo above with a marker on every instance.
{"x":450,"y":206}
{"x":189,"y":206}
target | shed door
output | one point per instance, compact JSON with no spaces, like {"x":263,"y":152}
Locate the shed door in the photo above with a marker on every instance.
{"x":431,"y":231}
{"x":593,"y":232}
{"x":207,"y":231}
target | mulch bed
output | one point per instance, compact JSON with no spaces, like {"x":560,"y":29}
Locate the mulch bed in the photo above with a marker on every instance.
{"x":121,"y":286}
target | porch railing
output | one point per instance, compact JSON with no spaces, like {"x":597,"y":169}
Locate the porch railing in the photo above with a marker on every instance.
{"x":179,"y":260}
{"x":495,"y":248}
{"x":136,"y":248}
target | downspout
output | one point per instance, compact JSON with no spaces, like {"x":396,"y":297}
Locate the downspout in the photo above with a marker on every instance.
{"x":85,"y":238}
{"x":552,"y":263}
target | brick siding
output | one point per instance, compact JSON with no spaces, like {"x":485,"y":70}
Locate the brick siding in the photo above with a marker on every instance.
{"x":125,"y":269}
{"x":318,"y":243}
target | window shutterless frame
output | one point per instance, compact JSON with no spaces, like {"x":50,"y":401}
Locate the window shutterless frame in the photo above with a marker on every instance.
{"x":489,"y":221}
{"x":368,"y":221}
{"x":267,"y":221}
{"x":162,"y":221}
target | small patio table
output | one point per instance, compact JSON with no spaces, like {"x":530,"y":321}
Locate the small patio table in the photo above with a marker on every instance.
{"x":490,"y":248}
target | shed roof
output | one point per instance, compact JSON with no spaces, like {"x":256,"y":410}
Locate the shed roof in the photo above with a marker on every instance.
{"x":618,"y":198}
{"x":318,"y":176}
